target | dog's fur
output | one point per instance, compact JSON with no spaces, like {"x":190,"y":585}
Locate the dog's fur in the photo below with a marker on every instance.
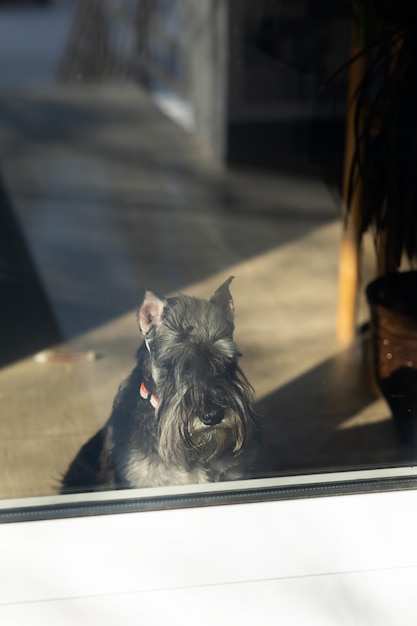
{"x":185,"y":413}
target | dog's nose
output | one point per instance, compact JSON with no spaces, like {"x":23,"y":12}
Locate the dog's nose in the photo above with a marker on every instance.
{"x":213,"y":416}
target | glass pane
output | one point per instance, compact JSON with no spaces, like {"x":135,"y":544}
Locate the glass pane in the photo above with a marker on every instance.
{"x":151,"y":148}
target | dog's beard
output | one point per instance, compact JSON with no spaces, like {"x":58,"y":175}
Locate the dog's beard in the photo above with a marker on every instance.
{"x":184,"y":438}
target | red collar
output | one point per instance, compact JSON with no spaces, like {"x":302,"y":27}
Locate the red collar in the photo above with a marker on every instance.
{"x":147,"y":395}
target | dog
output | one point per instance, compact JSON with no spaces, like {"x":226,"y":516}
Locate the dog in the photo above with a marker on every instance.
{"x":185,"y":414}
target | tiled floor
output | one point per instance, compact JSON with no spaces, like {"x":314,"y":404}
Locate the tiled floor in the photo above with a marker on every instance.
{"x":114,"y":198}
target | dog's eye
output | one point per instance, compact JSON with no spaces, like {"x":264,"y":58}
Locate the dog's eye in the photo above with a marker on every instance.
{"x":232,"y":367}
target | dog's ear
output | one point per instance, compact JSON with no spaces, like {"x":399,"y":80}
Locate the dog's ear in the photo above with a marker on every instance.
{"x":150,"y":313}
{"x":224,"y":300}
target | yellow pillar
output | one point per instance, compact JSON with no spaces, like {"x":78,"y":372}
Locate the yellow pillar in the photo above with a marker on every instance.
{"x":349,"y":261}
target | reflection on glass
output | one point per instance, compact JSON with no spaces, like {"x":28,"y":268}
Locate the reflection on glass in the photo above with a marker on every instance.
{"x":166,"y":146}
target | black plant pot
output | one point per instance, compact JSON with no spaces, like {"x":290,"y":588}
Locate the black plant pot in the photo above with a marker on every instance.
{"x":393,"y":305}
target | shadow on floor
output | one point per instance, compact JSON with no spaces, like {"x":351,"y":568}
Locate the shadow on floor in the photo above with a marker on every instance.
{"x":26,"y":320}
{"x":314,"y":422}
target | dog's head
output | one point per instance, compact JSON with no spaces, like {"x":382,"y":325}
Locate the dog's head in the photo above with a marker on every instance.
{"x":204,"y":400}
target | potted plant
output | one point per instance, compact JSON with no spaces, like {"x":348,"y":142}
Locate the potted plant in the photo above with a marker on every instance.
{"x":381,"y":190}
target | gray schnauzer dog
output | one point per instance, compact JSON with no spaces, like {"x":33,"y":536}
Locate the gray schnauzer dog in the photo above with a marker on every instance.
{"x":185,"y":413}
